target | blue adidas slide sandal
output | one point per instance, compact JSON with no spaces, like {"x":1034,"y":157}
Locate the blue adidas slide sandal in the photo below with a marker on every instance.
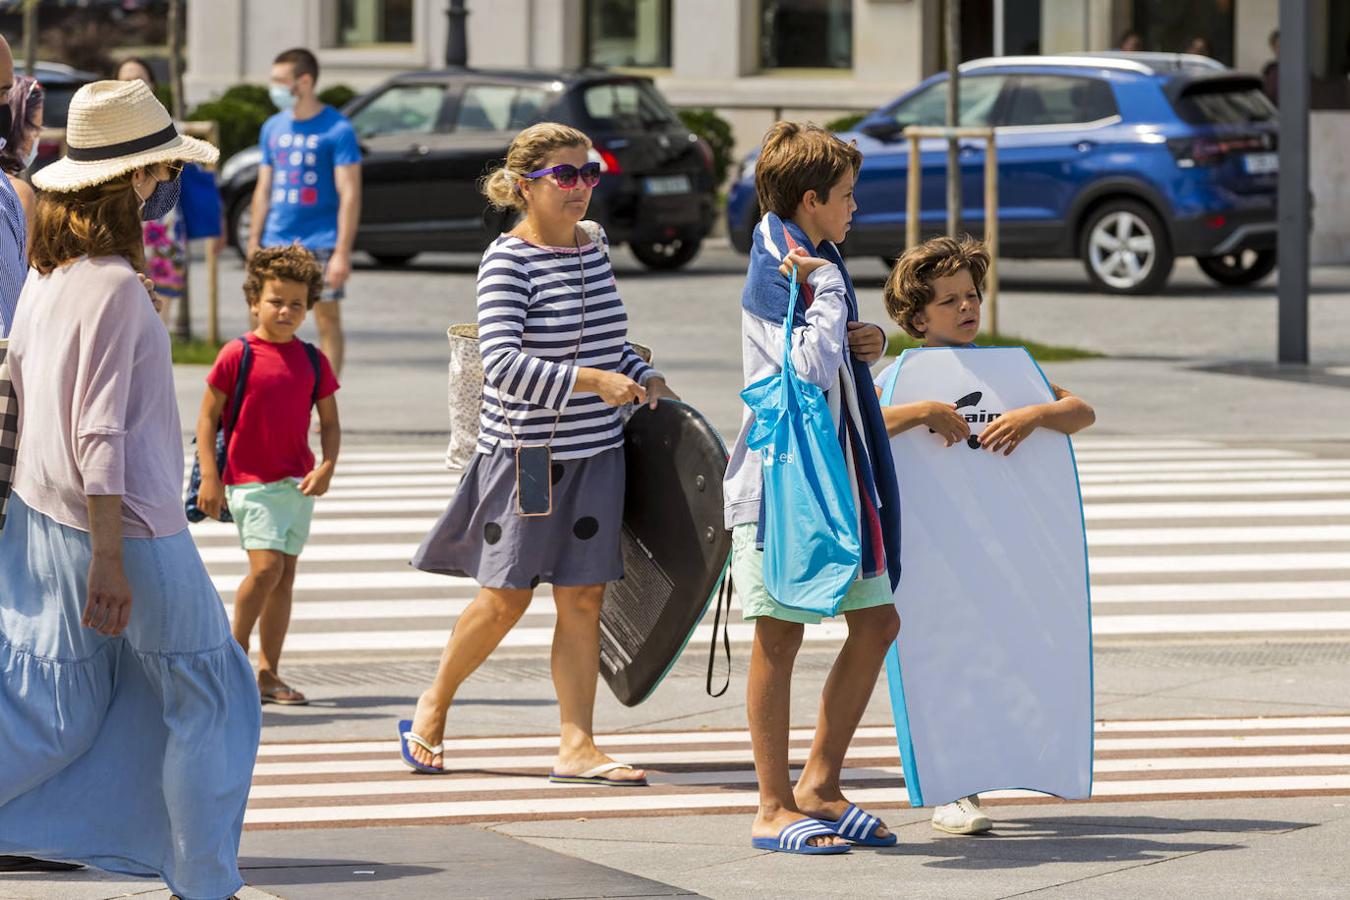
{"x":860,"y":827}
{"x":793,"y":839}
{"x":407,"y":736}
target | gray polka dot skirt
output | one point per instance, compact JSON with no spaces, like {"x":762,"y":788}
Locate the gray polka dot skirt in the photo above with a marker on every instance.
{"x":480,"y":536}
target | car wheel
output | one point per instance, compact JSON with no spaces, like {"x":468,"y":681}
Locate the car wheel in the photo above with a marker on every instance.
{"x":1239,"y":269}
{"x":393,"y":260}
{"x":240,"y":217}
{"x":663,"y":257}
{"x":1125,"y":248}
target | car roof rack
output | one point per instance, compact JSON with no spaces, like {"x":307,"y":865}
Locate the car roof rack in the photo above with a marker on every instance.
{"x":1140,"y":63}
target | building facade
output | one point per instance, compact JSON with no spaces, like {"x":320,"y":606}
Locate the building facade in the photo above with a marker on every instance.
{"x":759,"y":60}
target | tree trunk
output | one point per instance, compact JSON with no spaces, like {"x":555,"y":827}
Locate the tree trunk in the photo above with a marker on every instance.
{"x":178,"y":109}
{"x":30,"y":36}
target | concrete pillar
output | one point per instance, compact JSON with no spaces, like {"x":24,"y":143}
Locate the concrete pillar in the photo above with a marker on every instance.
{"x":1254,"y":20}
{"x":558,"y":33}
{"x":888,"y":42}
{"x":714,"y":38}
{"x":215,"y":43}
{"x":1065,"y":26}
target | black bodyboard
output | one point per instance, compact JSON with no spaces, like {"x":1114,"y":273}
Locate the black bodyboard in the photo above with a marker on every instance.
{"x":675,"y":546}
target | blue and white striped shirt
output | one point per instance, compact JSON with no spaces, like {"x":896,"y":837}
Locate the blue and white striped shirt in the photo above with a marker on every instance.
{"x":13,"y":253}
{"x":529,"y":324}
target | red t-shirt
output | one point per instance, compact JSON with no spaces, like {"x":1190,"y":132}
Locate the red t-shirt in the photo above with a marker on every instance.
{"x":271,"y":436}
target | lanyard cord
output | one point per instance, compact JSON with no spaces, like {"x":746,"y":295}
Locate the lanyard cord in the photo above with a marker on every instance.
{"x":576,"y":352}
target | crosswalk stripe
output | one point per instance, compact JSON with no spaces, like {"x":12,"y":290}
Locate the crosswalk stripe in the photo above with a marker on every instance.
{"x":1215,"y":509}
{"x":353,"y":581}
{"x":1219,"y":562}
{"x":1220,"y":592}
{"x":1230,"y":477}
{"x":1088,"y":454}
{"x":1216,"y":488}
{"x":1210,"y":467}
{"x":348,"y":783}
{"x":1225,"y":534}
{"x":326,"y":527}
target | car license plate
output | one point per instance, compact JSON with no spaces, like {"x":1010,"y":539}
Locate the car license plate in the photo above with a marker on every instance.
{"x":1261,"y":163}
{"x":667,"y":184}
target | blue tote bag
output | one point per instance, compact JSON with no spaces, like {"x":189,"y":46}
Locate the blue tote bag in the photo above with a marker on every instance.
{"x":812,"y":548}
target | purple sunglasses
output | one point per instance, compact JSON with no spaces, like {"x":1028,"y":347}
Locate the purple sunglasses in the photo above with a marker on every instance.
{"x":565,"y":175}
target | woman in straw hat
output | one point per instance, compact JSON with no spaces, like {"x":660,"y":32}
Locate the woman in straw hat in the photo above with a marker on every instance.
{"x":129,"y":718}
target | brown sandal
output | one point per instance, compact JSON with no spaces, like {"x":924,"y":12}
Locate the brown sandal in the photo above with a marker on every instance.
{"x":283,"y":695}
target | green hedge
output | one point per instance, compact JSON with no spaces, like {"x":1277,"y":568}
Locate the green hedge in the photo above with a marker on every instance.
{"x":714,"y":129}
{"x":845,"y":123}
{"x":241,"y":111}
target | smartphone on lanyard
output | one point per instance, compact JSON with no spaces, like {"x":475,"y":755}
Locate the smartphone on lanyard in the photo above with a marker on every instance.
{"x":534,"y":480}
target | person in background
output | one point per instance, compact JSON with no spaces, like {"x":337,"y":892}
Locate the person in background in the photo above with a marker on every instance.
{"x":1199,"y":46}
{"x":309,"y":187}
{"x":21,"y":141}
{"x":165,"y":239}
{"x":1130,"y":42}
{"x":1270,"y":75}
{"x":13,"y":222}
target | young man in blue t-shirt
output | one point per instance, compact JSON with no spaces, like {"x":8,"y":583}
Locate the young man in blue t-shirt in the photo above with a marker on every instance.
{"x":309,"y":186}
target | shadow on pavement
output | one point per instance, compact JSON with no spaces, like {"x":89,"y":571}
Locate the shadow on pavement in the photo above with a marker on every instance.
{"x":266,"y":872}
{"x":1024,"y":843}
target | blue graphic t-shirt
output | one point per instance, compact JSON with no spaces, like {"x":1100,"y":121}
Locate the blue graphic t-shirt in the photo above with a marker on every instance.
{"x":303,"y":155}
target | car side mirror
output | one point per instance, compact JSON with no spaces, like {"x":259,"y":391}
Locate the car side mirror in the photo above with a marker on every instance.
{"x":884,"y":131}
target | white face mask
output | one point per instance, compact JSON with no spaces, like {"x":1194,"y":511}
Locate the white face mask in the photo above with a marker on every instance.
{"x":282,"y":98}
{"x":30,"y":155}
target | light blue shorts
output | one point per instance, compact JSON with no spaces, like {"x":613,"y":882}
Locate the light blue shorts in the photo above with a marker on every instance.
{"x":272,"y":516}
{"x":747,"y":571}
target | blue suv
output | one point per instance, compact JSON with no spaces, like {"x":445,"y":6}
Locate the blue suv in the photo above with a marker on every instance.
{"x":1125,"y":161}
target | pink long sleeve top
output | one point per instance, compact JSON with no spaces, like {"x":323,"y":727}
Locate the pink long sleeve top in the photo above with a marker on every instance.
{"x":91,"y":367}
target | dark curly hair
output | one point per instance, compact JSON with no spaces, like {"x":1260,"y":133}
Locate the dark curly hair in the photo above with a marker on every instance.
{"x":292,"y":263}
{"x":909,"y":288}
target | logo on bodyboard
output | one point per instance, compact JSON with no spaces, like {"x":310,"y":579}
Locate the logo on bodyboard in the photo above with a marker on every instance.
{"x":976,"y":416}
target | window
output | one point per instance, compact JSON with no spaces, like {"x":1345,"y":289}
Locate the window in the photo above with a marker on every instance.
{"x":499,"y":107}
{"x":1236,"y":102}
{"x":1172,"y":27}
{"x":626,"y":105}
{"x":806,"y":34}
{"x":363,"y":23}
{"x":628,"y":33}
{"x":1057,"y":100}
{"x":412,"y":108}
{"x":979,"y":95}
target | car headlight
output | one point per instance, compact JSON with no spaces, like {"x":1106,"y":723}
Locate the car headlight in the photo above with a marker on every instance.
{"x":748,"y":167}
{"x":239,"y":162}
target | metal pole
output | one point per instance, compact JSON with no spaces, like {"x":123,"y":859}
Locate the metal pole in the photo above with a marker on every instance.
{"x":457,"y":37}
{"x":991,"y":227}
{"x":1295,"y":46}
{"x":913,"y":183}
{"x":30,"y":36}
{"x":953,"y":21}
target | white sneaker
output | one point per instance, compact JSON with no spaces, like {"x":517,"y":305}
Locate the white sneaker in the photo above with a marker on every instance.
{"x":962,"y":817}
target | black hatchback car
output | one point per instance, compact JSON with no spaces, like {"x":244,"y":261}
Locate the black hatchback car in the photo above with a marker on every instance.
{"x":427,"y":138}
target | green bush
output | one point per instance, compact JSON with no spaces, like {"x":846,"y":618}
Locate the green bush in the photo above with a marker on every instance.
{"x":714,"y":129}
{"x":252,"y":94}
{"x":239,"y":122}
{"x":337,"y":95}
{"x":845,"y":123}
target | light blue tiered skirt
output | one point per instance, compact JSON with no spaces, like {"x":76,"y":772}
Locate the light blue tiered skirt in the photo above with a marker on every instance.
{"x":132,"y":754}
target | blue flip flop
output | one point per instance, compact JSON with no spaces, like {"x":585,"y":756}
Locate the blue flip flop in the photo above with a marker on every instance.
{"x":793,"y":839}
{"x":407,"y":736}
{"x":860,"y":827}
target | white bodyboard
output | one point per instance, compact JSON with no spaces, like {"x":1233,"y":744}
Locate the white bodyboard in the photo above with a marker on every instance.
{"x":991,"y":678}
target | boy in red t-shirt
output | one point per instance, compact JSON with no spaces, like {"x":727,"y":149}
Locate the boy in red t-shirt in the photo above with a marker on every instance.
{"x":270,"y":480}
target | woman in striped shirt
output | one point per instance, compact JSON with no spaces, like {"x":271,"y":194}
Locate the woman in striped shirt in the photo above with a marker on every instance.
{"x":558,"y":368}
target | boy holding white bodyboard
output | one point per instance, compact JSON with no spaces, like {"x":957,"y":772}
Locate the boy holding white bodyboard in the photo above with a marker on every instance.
{"x":933,"y":293}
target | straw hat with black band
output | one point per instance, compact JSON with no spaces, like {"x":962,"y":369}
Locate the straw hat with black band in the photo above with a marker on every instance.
{"x":116,"y":127}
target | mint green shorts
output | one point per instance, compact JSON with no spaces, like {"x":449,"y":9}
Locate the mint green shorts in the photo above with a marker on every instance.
{"x":747,"y":571}
{"x":272,"y":516}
